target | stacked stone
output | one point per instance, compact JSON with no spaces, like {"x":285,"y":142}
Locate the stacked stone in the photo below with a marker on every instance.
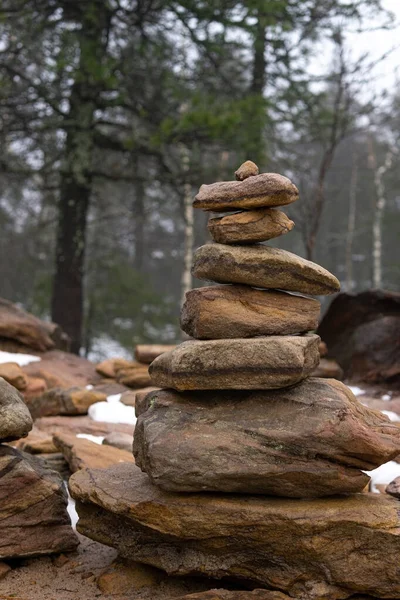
{"x":238,"y":412}
{"x":33,"y":500}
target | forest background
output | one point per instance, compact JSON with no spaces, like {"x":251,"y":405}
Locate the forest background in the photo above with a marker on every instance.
{"x":114,"y":112}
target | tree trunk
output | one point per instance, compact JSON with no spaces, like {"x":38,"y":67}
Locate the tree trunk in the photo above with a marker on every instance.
{"x":139,"y":217}
{"x":377,"y":278}
{"x":186,"y":282}
{"x":351,"y":226}
{"x":258,"y":82}
{"x":76,"y":179}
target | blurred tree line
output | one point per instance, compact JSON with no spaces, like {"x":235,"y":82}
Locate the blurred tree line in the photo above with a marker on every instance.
{"x":113,"y":112}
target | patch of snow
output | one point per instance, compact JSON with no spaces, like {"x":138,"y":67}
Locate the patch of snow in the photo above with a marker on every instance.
{"x":73,"y":515}
{"x":112,"y":412}
{"x":383,"y":475}
{"x":97,"y":439}
{"x":386,"y":397}
{"x":21,"y":359}
{"x":356,"y":390}
{"x":392,"y":415}
{"x":89,"y":387}
{"x":114,"y":398}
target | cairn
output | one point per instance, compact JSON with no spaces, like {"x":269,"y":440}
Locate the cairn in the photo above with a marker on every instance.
{"x":274,"y":459}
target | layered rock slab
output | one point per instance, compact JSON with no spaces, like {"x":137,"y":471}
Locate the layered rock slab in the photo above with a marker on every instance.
{"x":264,"y":267}
{"x":33,"y":508}
{"x":15,"y":419}
{"x":305,"y":441}
{"x":81,"y":453}
{"x":57,"y":401}
{"x":236,"y":311}
{"x":255,"y":363}
{"x":249,"y":226}
{"x":258,"y":191}
{"x":310,"y":549}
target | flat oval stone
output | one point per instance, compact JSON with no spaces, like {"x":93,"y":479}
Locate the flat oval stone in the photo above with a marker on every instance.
{"x":267,"y":189}
{"x":264,"y":267}
{"x":242,"y":364}
{"x":235,"y":311}
{"x":249,"y":226}
{"x":309,"y":440}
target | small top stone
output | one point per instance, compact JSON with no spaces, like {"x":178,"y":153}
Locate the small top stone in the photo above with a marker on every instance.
{"x":247,"y":169}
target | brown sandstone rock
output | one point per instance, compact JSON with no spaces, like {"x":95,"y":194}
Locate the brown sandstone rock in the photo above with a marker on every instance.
{"x":362,"y":332}
{"x":236,"y":595}
{"x":15,"y":419}
{"x":262,"y":266}
{"x":309,"y":440}
{"x":394,"y":488}
{"x":82,"y":424}
{"x":125,"y":577}
{"x":19,"y":326}
{"x":36,"y":442}
{"x":62,"y":369}
{"x":321,"y":549}
{"x":4,"y":569}
{"x":14,"y":375}
{"x":267,"y":189}
{"x":249,"y":226}
{"x":74,"y":401}
{"x":135,"y":377}
{"x":328,"y":368}
{"x":123,"y":441}
{"x":129,"y":398}
{"x":146,"y":353}
{"x":252,"y":363}
{"x":83,"y":454}
{"x":109,"y":367}
{"x":33,"y":508}
{"x":236,"y":311}
{"x":247,"y":169}
{"x":36,"y":387}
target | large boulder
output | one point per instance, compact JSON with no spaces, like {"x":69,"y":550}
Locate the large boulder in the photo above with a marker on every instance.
{"x":249,"y":363}
{"x":236,"y":311}
{"x":362,"y":332}
{"x":320,"y":549}
{"x":33,"y":508}
{"x":15,"y":419}
{"x":305,"y":441}
{"x":264,"y":267}
{"x":22,"y":328}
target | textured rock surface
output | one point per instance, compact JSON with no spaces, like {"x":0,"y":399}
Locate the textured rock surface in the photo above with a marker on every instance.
{"x":81,"y":453}
{"x":110,"y":367}
{"x":253,"y":363}
{"x":394,"y":488}
{"x":229,"y":311}
{"x":123,"y":441}
{"x":249,"y":226}
{"x":134,"y":377}
{"x":146,"y":353}
{"x":36,"y":442}
{"x":362,"y":332}
{"x":33,"y":518}
{"x":14,"y":375}
{"x":262,"y":266}
{"x":74,"y":401}
{"x":247,"y":169}
{"x":64,"y":370}
{"x":321,"y":549}
{"x":328,"y":368}
{"x":305,"y":441}
{"x":236,"y":595}
{"x":19,"y":326}
{"x":80,"y":425}
{"x":15,"y":419}
{"x":267,"y":189}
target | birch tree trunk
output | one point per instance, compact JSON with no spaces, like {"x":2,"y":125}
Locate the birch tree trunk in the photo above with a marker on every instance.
{"x":186,"y":281}
{"x":351,"y":225}
{"x":380,"y":172}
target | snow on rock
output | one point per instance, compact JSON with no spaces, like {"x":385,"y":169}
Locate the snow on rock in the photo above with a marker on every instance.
{"x":356,"y":390}
{"x":89,"y":387}
{"x":392,"y":415}
{"x":21,"y":359}
{"x":386,"y":397}
{"x":383,"y":475}
{"x":112,"y":411}
{"x":97,"y":439}
{"x":73,"y":515}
